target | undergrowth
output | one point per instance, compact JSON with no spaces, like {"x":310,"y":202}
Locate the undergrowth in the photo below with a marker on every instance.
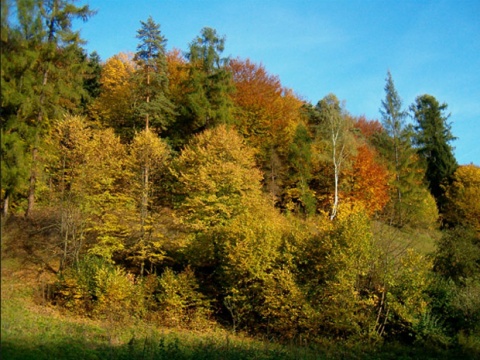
{"x":33,"y":329}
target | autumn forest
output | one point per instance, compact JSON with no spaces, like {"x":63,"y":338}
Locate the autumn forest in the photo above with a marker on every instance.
{"x":189,"y":189}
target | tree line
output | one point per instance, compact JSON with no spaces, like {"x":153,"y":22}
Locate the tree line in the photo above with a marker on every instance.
{"x":188,"y":188}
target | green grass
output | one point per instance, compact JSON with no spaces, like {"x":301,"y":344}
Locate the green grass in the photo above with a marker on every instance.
{"x":398,"y":240}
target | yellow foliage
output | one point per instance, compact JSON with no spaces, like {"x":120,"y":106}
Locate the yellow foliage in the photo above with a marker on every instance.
{"x":350,"y":258}
{"x":115,"y":103}
{"x":180,"y":301}
{"x":463,"y":197}
{"x":88,"y":171}
{"x":216,"y":175}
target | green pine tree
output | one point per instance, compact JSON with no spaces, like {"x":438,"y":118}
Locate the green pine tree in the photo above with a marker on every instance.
{"x":206,"y":102}
{"x":395,"y":144}
{"x":300,"y":171}
{"x":155,"y":107}
{"x":91,"y":83}
{"x":432,"y":137}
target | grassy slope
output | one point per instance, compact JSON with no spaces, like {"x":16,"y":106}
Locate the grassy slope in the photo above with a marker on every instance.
{"x":421,"y":240}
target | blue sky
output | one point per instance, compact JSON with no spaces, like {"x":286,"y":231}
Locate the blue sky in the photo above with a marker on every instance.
{"x":317,"y":47}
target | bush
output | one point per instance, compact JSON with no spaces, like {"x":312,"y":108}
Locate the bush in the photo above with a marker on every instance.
{"x":96,"y":287}
{"x":458,"y":254}
{"x":180,"y":302}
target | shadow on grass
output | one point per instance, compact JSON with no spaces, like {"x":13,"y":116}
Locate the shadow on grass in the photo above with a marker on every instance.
{"x":141,"y":349}
{"x":171,"y":348}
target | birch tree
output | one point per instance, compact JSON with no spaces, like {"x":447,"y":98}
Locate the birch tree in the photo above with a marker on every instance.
{"x":335,"y":127}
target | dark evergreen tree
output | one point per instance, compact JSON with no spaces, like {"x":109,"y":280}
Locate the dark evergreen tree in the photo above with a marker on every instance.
{"x":154,"y":106}
{"x":92,"y":82}
{"x":206,"y":101}
{"x":432,"y":138}
{"x":299,"y":193}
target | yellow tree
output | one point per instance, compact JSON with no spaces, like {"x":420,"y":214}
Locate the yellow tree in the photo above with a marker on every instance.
{"x":233,"y":233}
{"x":114,"y":106}
{"x":148,"y":160}
{"x":215,"y":176}
{"x":463,"y":197}
{"x":88,"y":180}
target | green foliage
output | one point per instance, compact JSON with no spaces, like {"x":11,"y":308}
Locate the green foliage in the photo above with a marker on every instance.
{"x":417,"y":210}
{"x":151,"y":77}
{"x":432,"y":136}
{"x":455,"y":305}
{"x":408,"y":199}
{"x":43,"y":69}
{"x":299,"y":197}
{"x":92,"y":83}
{"x":14,"y":167}
{"x":205,"y":102}
{"x":457,"y":291}
{"x":467,"y":303}
{"x":458,"y":254}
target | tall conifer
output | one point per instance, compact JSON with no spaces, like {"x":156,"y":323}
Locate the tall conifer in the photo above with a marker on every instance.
{"x":396,"y":147}
{"x":206,"y":102}
{"x":155,"y":107}
{"x":432,"y":137}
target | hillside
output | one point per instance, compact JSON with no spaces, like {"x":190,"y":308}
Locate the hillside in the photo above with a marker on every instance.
{"x":194,"y":192}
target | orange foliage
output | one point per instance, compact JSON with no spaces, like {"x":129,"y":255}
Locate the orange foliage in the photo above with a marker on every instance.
{"x":177,"y":73}
{"x":368,"y":180}
{"x":266,"y":111}
{"x":255,"y":87}
{"x":368,"y":128}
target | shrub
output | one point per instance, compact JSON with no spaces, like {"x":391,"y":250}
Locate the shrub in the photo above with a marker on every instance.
{"x":96,"y":287}
{"x":180,"y":302}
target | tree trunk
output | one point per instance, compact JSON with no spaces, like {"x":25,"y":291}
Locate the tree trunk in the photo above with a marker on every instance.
{"x":147,"y":124}
{"x":33,"y":182}
{"x":5,"y":204}
{"x":144,"y":205}
{"x":33,"y":171}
